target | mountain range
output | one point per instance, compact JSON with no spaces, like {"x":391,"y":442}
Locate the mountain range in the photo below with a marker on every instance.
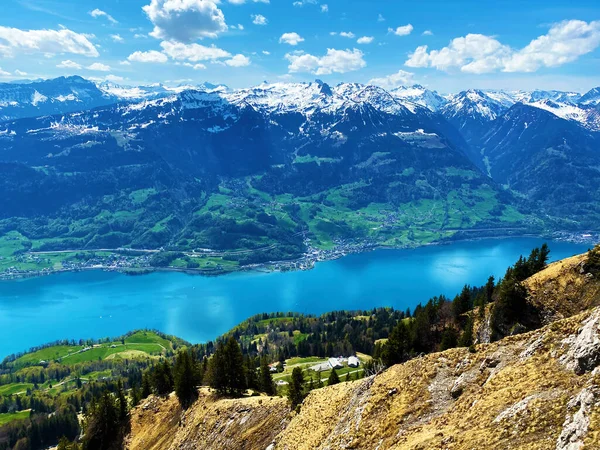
{"x":290,"y":166}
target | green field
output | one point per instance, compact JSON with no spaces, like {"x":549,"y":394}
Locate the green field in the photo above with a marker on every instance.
{"x":9,"y":417}
{"x":138,"y":344}
{"x":307,"y":363}
{"x":14,"y":388}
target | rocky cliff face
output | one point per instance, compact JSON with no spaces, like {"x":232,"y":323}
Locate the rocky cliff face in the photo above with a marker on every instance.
{"x":211,"y":423}
{"x":537,"y":390}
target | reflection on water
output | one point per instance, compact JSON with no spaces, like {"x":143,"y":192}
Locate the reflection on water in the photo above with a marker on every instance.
{"x":100,"y":304}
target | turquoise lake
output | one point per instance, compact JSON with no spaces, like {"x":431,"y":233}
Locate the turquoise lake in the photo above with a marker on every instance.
{"x":97,"y":304}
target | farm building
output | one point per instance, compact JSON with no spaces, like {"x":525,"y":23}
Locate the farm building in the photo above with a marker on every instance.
{"x":353,"y":361}
{"x":335,"y":363}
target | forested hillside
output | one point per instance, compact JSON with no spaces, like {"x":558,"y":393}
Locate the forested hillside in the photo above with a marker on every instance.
{"x":275,"y":353}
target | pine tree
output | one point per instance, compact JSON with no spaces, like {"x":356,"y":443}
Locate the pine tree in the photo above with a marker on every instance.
{"x":295,"y":388}
{"x":466,"y":338}
{"x":146,"y":389}
{"x":333,"y":378}
{"x":397,"y":346}
{"x":121,"y":401}
{"x":185,"y":379}
{"x":250,"y":371}
{"x":226,"y":369}
{"x":266,"y":380}
{"x":103,"y":425}
{"x":234,"y":366}
{"x":162,"y":378}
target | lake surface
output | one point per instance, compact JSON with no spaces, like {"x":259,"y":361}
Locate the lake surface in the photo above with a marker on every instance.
{"x":99,"y":304}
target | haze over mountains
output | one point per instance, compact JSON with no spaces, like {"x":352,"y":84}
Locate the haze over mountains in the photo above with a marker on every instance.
{"x":400,"y":167}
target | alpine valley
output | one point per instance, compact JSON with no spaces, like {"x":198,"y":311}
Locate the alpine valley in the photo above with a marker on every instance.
{"x":281,"y":175}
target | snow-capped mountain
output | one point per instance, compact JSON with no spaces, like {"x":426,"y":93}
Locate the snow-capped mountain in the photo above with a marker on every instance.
{"x":591,"y":98}
{"x":152,"y":91}
{"x":419,"y":95}
{"x":57,"y":96}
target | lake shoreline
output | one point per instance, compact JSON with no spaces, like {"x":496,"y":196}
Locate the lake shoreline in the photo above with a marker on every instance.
{"x":292,"y":265}
{"x":97,"y":303}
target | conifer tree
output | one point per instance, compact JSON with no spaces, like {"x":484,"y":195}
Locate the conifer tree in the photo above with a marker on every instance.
{"x":296,"y":387}
{"x":333,"y":378}
{"x":121,"y":401}
{"x":185,"y":378}
{"x":266,"y":380}
{"x":397,"y":346}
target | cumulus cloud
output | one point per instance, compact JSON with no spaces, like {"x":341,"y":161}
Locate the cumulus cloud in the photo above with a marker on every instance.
{"x":117,"y":38}
{"x":404,"y":30}
{"x":151,"y":56}
{"x":400,"y":78}
{"x":259,"y":19}
{"x":185,"y":20}
{"x":291,"y":38}
{"x":347,"y":34}
{"x":99,"y":13}
{"x":14,"y":41}
{"x":193,"y":52}
{"x":68,"y":64}
{"x":238,"y":61}
{"x":114,"y":78}
{"x":241,"y":2}
{"x":99,"y":67}
{"x":365,"y":40}
{"x":335,"y":61}
{"x":427,"y":33}
{"x":476,"y":53}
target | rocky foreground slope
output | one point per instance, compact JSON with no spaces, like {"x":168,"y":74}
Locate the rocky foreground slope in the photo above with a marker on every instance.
{"x":538,"y":390}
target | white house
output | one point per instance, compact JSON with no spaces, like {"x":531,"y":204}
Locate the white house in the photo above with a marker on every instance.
{"x":334,"y":363}
{"x":353,"y":361}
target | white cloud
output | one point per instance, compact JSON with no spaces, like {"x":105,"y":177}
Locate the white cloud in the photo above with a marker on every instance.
{"x":305,"y":2}
{"x":140,"y":36}
{"x":380,"y":18}
{"x":238,"y":61}
{"x":151,"y":56}
{"x":266,"y":52}
{"x":199,"y":66}
{"x":400,"y":78}
{"x":241,"y":2}
{"x":193,"y":52}
{"x":114,"y":78}
{"x":564,"y":43}
{"x":291,"y":38}
{"x":347,"y":34}
{"x":20,"y":73}
{"x":68,"y":64}
{"x":99,"y":13}
{"x":404,"y":30}
{"x":185,"y":20}
{"x":427,"y":33}
{"x":50,"y":42}
{"x":476,"y":53}
{"x":99,"y":67}
{"x":117,"y":38}
{"x":335,"y":61}
{"x":259,"y":19}
{"x":4,"y":73}
{"x":324,"y":8}
{"x":124,"y":63}
{"x":365,"y":40}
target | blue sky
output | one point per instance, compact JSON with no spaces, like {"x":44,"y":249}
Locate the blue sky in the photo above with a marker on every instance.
{"x":445,"y":45}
